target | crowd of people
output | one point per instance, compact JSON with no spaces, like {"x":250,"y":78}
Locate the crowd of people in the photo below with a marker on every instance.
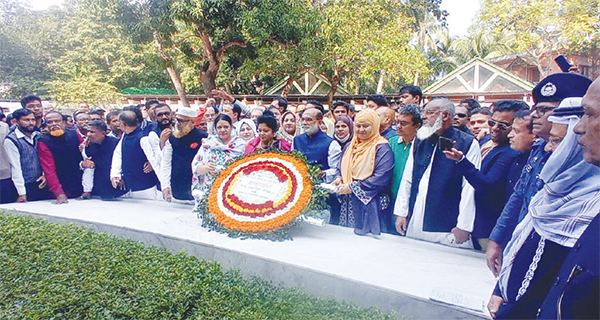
{"x":520,"y":183}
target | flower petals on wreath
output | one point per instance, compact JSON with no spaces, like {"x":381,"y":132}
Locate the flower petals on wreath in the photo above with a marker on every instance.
{"x":260,"y":192}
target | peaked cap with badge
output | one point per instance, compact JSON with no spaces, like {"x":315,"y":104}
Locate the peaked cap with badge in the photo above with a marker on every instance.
{"x":559,"y":86}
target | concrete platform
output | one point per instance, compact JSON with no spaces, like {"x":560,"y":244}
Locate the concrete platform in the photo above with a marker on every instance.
{"x":392,"y":273}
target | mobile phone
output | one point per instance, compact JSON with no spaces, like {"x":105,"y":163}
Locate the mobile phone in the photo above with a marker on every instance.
{"x":563,"y":63}
{"x":451,"y":238}
{"x":446,"y":144}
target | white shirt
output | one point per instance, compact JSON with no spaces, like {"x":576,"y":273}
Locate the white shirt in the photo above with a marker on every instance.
{"x":14,"y":157}
{"x":164,"y":175}
{"x":466,"y":216}
{"x":334,"y":155}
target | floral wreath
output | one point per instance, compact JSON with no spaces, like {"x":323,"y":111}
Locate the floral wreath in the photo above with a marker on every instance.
{"x":262,"y":195}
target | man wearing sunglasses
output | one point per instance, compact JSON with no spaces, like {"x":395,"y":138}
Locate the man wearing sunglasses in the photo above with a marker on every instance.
{"x":461,"y":118}
{"x":490,"y":181}
{"x":547,"y":95}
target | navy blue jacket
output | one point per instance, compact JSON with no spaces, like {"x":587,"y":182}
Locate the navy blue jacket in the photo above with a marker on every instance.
{"x":445,"y":186}
{"x":574,"y":294}
{"x":514,"y":173}
{"x":101,"y":155}
{"x":528,"y":185}
{"x":490,"y":186}
{"x":66,"y":154}
{"x":315,"y":148}
{"x":133,"y":159}
{"x":184,"y":150}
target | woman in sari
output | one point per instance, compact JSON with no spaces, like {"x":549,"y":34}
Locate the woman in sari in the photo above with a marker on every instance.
{"x":215,"y":152}
{"x":267,"y":137}
{"x":365,"y":172}
{"x":344,"y":130}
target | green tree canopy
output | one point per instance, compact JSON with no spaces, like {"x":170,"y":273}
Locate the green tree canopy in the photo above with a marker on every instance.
{"x":541,"y":27}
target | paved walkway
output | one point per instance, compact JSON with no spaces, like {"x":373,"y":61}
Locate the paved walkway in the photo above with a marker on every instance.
{"x":393,"y":273}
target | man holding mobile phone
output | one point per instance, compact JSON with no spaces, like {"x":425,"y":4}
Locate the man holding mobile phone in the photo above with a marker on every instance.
{"x":490,"y":182}
{"x":435,"y":202}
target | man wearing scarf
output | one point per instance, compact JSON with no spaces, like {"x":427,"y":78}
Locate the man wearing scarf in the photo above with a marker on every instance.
{"x":179,"y":151}
{"x":558,"y":216}
{"x":365,"y":170}
{"x":434,"y":200}
{"x":60,"y":158}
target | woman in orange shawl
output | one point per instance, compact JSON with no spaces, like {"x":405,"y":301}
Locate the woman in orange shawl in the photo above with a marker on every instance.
{"x":364,"y":174}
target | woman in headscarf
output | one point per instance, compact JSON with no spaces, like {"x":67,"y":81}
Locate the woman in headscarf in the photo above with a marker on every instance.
{"x":366,"y":169}
{"x":267,"y":137}
{"x":344,"y":130}
{"x":328,"y":126}
{"x":247,"y":130}
{"x":215,"y":152}
{"x":558,"y":215}
{"x":289,"y":126}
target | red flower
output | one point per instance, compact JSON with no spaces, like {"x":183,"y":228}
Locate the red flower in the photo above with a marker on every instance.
{"x":194,"y":145}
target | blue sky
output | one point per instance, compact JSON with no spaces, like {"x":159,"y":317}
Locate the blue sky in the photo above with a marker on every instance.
{"x":461,"y":12}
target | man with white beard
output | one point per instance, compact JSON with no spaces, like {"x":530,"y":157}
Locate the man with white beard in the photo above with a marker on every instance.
{"x":433,"y":196}
{"x":176,"y":167}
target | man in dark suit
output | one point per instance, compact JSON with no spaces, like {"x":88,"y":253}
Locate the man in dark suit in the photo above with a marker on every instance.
{"x":490,"y":181}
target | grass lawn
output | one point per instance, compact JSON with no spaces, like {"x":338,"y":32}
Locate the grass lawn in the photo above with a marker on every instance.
{"x":64,"y":271}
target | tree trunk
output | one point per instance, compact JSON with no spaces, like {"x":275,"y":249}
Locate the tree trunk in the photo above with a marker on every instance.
{"x":208,"y":78}
{"x":595,"y":69}
{"x":381,"y":81}
{"x":178,"y":86}
{"x":288,"y":86}
{"x":417,"y":78}
{"x":357,"y":86}
{"x":175,"y":80}
{"x":334,"y":81}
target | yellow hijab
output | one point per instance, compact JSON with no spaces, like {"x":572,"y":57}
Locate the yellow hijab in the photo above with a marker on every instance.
{"x":358,"y":162}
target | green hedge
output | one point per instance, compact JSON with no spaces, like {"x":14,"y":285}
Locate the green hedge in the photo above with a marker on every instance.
{"x":63,"y":271}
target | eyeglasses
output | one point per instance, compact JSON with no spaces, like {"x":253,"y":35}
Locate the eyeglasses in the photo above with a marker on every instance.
{"x":430,"y":112}
{"x":307,"y":120}
{"x":180,"y":121}
{"x":461,"y":115}
{"x":555,"y":141}
{"x":542,"y":110}
{"x":501,"y":126}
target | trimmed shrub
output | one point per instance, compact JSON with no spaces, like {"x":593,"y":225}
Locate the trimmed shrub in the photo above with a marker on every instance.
{"x":64,"y":271}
